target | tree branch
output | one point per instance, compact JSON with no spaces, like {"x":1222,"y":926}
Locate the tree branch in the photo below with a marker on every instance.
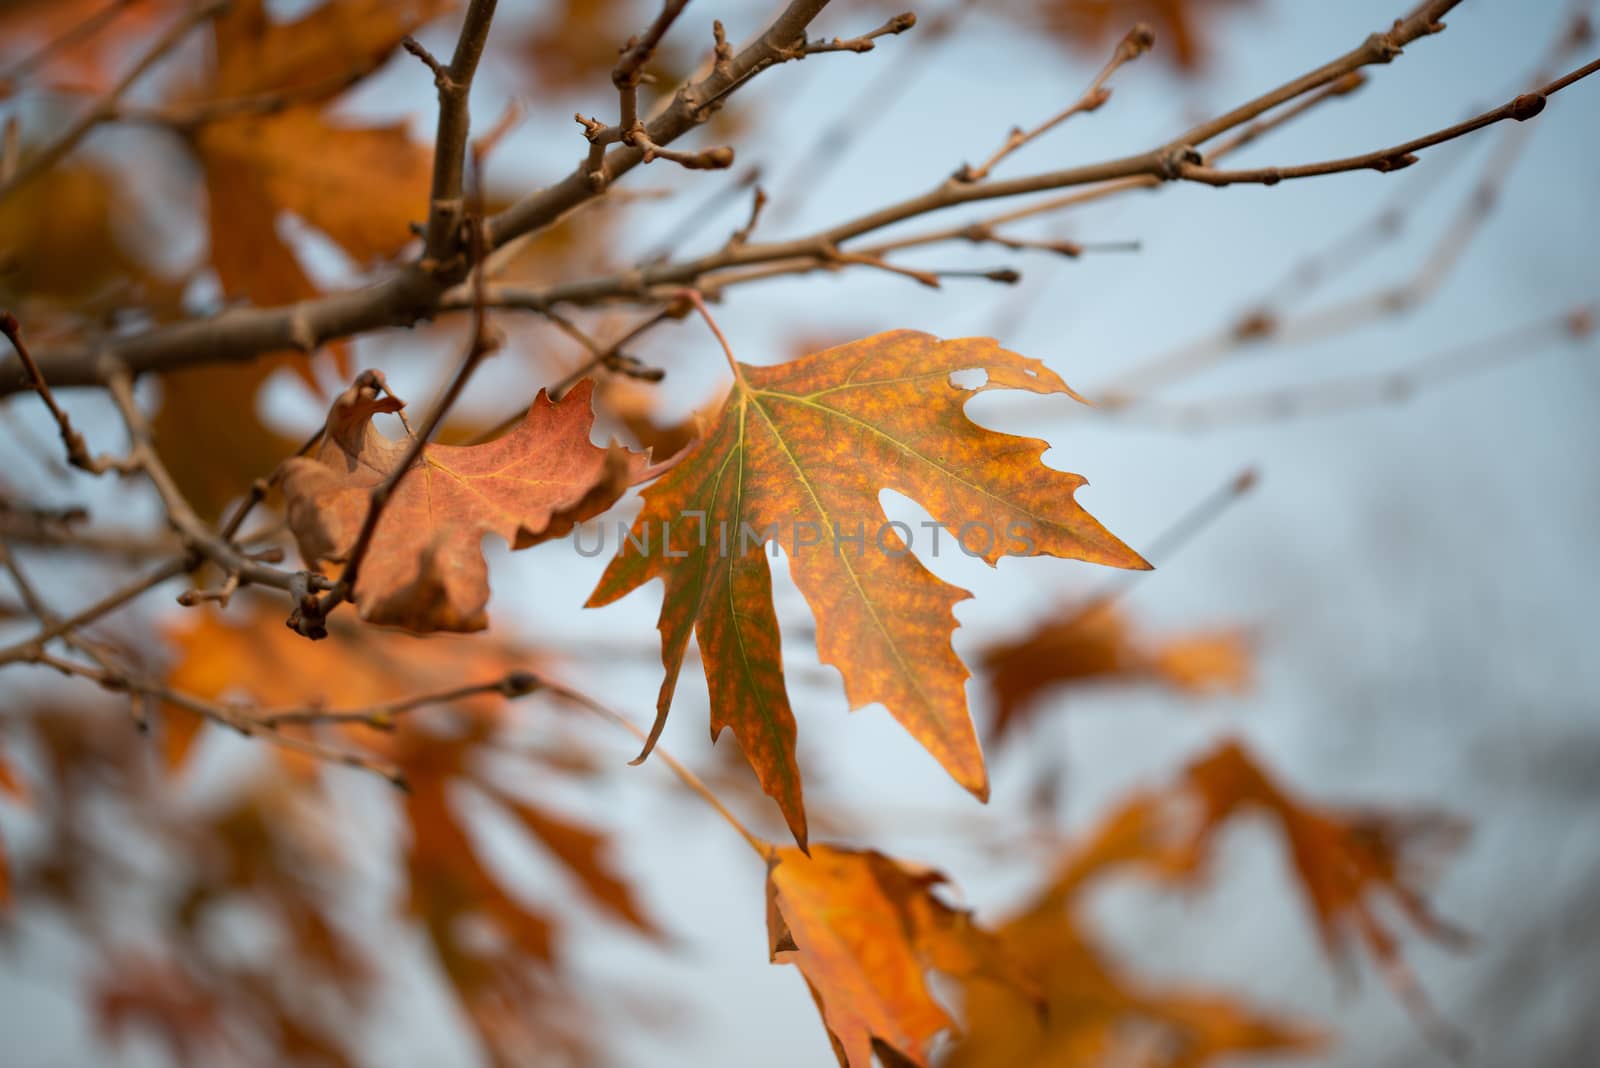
{"x":413,"y":293}
{"x":1397,"y":157}
{"x":1135,"y":43}
{"x":446,"y":204}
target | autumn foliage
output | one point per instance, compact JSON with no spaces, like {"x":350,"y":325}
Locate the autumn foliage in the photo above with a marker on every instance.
{"x":269,"y":748}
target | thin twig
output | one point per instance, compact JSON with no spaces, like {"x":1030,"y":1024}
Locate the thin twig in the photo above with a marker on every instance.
{"x":611,"y":357}
{"x":866,"y":42}
{"x":1364,"y":391}
{"x":77,"y":449}
{"x":874,"y":101}
{"x":1135,"y":43}
{"x":446,"y":204}
{"x":236,"y":717}
{"x":381,"y":716}
{"x":201,"y":543}
{"x":1263,"y":321}
{"x":696,"y":218}
{"x":1396,"y":157}
{"x":688,"y":778}
{"x":23,"y":650}
{"x":705,"y":313}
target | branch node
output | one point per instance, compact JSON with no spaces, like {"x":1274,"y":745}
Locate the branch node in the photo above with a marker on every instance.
{"x":441,"y":73}
{"x":1173,"y":159}
{"x":1527,"y":106}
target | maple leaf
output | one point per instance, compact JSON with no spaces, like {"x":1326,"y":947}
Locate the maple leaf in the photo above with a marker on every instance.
{"x":798,"y":455}
{"x":62,"y":246}
{"x":1095,"y":643}
{"x":865,"y":931}
{"x":75,"y":60}
{"x":1095,"y":1014}
{"x":425,"y":569}
{"x":1344,"y":860}
{"x":509,"y":989}
{"x":294,"y":160}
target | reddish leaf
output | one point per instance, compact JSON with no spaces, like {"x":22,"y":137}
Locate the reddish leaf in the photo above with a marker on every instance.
{"x":425,"y":569}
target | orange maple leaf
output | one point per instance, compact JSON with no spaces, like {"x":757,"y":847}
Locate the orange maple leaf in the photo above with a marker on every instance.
{"x":509,"y":988}
{"x":798,"y":455}
{"x":250,"y":655}
{"x":865,"y":931}
{"x":67,"y":55}
{"x":425,"y":569}
{"x":1095,"y":643}
{"x":1096,"y":1014}
{"x":263,"y":162}
{"x":1344,"y":860}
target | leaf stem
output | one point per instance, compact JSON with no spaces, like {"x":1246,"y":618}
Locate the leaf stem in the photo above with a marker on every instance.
{"x":693,"y":297}
{"x":689,"y":778}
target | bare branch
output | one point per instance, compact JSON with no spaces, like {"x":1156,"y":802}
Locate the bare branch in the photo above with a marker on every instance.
{"x":24,"y":650}
{"x":200,"y":542}
{"x":236,"y":717}
{"x":1365,"y":391}
{"x":77,"y":449}
{"x":1135,"y":43}
{"x":866,"y":42}
{"x":446,"y":206}
{"x":412,"y":293}
{"x":1523,"y":108}
{"x":381,"y":716}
